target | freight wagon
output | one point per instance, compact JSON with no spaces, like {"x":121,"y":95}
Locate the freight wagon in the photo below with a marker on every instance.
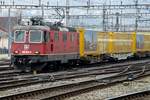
{"x":114,"y":45}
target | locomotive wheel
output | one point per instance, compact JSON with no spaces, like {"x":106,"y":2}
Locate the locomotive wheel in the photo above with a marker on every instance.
{"x":38,"y":67}
{"x":22,"y":68}
{"x":51,"y":66}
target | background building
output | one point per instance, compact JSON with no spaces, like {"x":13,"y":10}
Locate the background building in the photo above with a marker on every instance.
{"x":4,"y":32}
{"x":3,"y":41}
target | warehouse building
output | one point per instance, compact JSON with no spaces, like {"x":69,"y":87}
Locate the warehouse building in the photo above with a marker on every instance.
{"x":3,"y":41}
{"x":4,"y":32}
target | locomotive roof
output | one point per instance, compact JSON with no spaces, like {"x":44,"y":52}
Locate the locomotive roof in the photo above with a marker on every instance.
{"x":37,"y":27}
{"x":30,"y":27}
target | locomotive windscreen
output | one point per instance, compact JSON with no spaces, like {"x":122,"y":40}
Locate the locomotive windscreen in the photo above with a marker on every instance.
{"x":35,"y":36}
{"x":19,"y":36}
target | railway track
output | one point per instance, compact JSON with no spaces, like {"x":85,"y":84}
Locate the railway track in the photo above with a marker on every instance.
{"x":8,"y":72}
{"x":25,"y":80}
{"x":59,"y":92}
{"x":5,"y":68}
{"x":126,"y":71}
{"x":5,"y":65}
{"x":142,"y":95}
{"x":4,"y":62}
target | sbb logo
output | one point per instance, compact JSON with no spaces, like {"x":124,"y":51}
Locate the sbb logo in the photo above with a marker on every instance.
{"x":26,"y":47}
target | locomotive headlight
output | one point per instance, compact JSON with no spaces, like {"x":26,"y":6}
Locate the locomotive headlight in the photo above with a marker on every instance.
{"x":16,"y":51}
{"x":37,"y":52}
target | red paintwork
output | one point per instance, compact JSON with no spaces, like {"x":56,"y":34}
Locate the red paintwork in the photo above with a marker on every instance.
{"x":51,"y":47}
{"x":32,"y":48}
{"x":65,"y":47}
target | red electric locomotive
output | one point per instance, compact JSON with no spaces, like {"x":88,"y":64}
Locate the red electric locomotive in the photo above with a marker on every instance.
{"x":38,"y":46}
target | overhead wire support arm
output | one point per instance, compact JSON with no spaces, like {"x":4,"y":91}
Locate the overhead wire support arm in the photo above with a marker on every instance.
{"x":96,"y":7}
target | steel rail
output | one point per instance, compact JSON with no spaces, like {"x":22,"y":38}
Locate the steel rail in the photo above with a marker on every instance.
{"x":11,"y":82}
{"x":58,"y":92}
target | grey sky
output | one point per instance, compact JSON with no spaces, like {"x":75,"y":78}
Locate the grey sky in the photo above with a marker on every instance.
{"x":78,"y":11}
{"x":74,"y":2}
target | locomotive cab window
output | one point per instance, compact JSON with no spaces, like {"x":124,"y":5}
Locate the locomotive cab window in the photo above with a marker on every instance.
{"x":35,"y":36}
{"x":19,"y":36}
{"x":46,"y":36}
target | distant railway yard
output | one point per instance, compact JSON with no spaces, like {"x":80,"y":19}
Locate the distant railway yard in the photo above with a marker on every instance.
{"x":123,"y":80}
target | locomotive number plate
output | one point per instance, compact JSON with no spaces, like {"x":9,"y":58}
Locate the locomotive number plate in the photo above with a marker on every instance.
{"x":26,"y":52}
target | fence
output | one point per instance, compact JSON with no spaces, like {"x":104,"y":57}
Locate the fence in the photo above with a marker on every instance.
{"x":3,"y":51}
